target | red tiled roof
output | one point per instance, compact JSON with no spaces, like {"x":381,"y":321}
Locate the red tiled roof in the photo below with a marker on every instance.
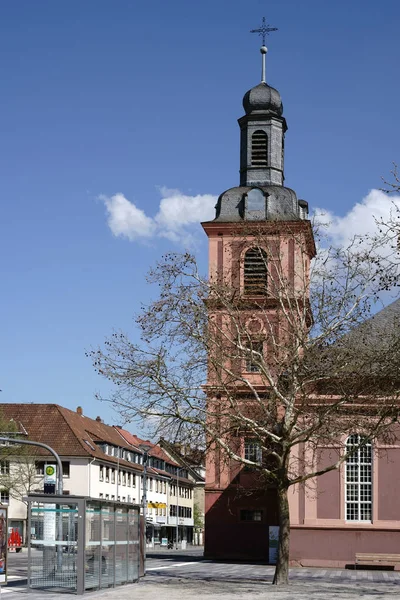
{"x":155,"y":450}
{"x":64,"y":430}
{"x":72,"y":434}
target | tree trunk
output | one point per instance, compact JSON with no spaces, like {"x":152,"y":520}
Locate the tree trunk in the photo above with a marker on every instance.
{"x":281,"y":576}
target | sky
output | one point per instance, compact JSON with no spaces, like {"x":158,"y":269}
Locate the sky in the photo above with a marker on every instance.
{"x":118,"y":125}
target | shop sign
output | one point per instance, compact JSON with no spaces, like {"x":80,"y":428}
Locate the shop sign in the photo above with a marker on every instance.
{"x":161,"y":519}
{"x":156,"y":505}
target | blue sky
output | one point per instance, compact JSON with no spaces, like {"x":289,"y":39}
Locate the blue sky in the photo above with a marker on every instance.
{"x":139,"y":99}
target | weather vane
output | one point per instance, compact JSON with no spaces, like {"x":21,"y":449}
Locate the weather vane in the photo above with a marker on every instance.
{"x":264,"y":30}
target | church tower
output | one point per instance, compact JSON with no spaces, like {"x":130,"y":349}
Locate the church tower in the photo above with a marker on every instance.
{"x":260,"y":208}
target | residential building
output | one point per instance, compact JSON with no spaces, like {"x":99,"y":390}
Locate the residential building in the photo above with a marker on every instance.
{"x":177,"y":522}
{"x":193,"y":461}
{"x":99,"y":461}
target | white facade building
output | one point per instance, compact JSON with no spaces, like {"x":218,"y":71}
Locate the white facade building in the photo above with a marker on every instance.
{"x":99,"y":461}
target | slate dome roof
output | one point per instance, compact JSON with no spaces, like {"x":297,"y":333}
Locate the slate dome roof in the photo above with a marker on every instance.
{"x":263,"y":99}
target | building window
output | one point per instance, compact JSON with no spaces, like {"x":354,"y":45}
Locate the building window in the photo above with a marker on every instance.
{"x":4,"y":497}
{"x":112,"y":475}
{"x":255,"y":272}
{"x":39,"y":467}
{"x":255,"y":355}
{"x":259,"y":149}
{"x":5,"y":467}
{"x":101,"y":474}
{"x":65,"y":468}
{"x":107,"y":475}
{"x":253,"y":451}
{"x":358,"y":480}
{"x":251,"y":515}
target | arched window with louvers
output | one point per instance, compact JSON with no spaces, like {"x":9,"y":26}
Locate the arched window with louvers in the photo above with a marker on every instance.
{"x":259,"y":149}
{"x":255,"y":272}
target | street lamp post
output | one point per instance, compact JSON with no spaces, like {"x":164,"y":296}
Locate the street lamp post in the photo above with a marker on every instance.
{"x":145,"y":449}
{"x":177,"y":506}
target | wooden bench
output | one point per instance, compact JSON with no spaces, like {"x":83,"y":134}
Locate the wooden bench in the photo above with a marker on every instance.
{"x":387,"y":560}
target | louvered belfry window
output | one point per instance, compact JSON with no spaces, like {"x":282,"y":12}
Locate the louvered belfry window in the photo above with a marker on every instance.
{"x":255,"y":272}
{"x":259,"y":149}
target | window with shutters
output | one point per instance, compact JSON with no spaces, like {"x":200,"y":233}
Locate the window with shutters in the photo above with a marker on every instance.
{"x":255,"y":272}
{"x":259,"y":149}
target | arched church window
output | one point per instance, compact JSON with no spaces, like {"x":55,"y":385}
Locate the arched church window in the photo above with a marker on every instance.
{"x":358,"y":486}
{"x":259,"y":149}
{"x":255,"y":272}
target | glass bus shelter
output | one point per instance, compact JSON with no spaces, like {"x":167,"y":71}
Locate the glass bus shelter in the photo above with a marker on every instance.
{"x":76,"y":543}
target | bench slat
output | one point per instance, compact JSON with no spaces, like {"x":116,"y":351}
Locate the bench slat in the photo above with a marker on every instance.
{"x":364,"y":557}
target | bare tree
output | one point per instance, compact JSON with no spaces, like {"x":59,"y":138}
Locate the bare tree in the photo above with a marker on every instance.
{"x":288,"y":353}
{"x":18,"y":469}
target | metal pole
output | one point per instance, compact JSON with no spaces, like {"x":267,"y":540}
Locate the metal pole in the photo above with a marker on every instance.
{"x":145,"y":458}
{"x":177,"y":506}
{"x":263,"y":51}
{"x":53,"y":452}
{"x":59,"y":486}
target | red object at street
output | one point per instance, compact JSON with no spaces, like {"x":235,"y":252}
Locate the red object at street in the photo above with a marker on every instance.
{"x":14,"y":541}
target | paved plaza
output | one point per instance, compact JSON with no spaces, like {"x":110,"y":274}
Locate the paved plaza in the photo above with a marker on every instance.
{"x":175,"y":575}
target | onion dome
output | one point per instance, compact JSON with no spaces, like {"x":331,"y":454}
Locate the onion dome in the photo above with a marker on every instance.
{"x":263,"y":99}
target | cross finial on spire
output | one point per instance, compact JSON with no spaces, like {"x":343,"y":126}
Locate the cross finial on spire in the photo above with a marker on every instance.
{"x":264,"y":30}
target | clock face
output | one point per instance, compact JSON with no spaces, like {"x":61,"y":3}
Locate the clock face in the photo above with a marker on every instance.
{"x":50,"y":470}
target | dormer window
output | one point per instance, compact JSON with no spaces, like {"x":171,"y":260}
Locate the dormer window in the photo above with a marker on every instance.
{"x":255,"y":272}
{"x":259,"y":149}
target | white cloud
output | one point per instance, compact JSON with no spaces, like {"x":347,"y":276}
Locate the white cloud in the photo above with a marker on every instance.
{"x":178,"y":211}
{"x":125,"y":219}
{"x":179,"y":214}
{"x":361,"y":219}
{"x":176,"y":216}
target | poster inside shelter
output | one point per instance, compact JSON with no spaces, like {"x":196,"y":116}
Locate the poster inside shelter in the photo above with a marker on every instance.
{"x":3,"y":544}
